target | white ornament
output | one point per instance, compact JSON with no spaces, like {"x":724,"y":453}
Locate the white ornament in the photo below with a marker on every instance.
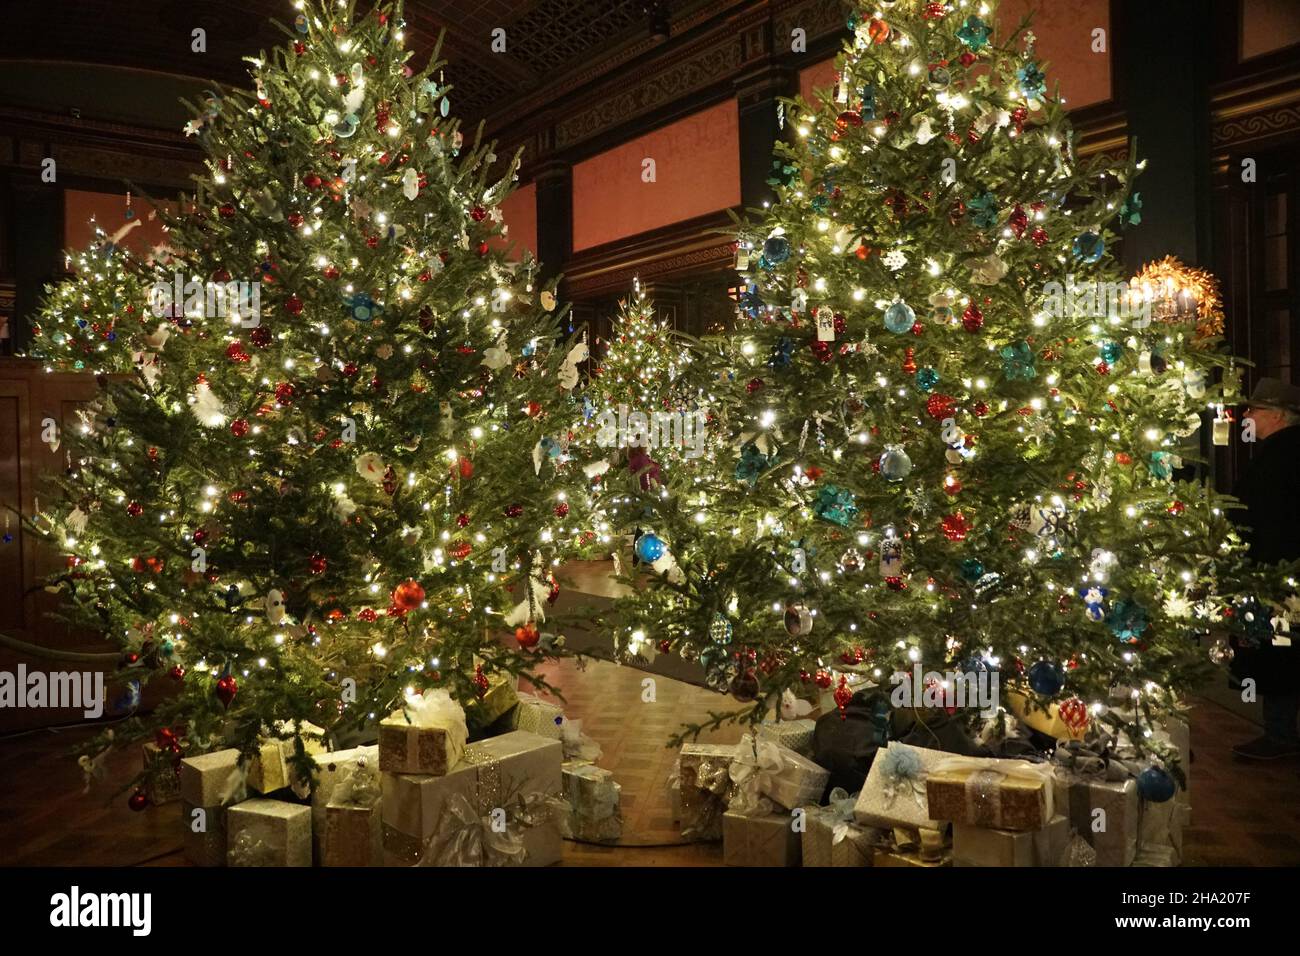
{"x":410,"y":184}
{"x":895,"y":259}
{"x":274,"y":604}
{"x":923,"y":132}
{"x":986,"y":270}
{"x":371,"y":467}
{"x":206,"y":406}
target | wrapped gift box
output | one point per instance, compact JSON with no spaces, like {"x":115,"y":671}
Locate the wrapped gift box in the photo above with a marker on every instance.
{"x":1113,"y":832}
{"x":894,"y":793}
{"x":1004,"y":794}
{"x":332,"y":769}
{"x":271,"y":767}
{"x":163,"y":777}
{"x":886,"y":857}
{"x":594,"y":796}
{"x":764,"y":840}
{"x":502,"y":694}
{"x":787,"y":778}
{"x":427,"y":736}
{"x":352,"y":836}
{"x":1156,"y":856}
{"x":492,"y":774}
{"x":537,"y":716}
{"x":262,"y":832}
{"x":209,"y":783}
{"x":983,"y":846}
{"x":1160,"y":825}
{"x":829,"y":840}
{"x":796,"y":735}
{"x":701,"y":788}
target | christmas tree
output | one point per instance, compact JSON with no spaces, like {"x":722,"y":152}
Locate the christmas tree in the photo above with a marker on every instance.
{"x":955,"y":433}
{"x":329,"y":459}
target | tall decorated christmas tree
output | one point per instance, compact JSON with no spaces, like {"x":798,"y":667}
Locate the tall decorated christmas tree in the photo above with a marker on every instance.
{"x":957,"y":438}
{"x":332,"y":438}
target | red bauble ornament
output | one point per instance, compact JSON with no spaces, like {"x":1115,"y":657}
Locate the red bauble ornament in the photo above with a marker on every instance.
{"x":822,"y":679}
{"x":843,"y":695}
{"x":227,"y":210}
{"x":138,"y":801}
{"x":1039,"y":236}
{"x":367,"y":614}
{"x":514,"y":511}
{"x":478,"y":213}
{"x":239,"y":427}
{"x":260,"y":336}
{"x":462,"y":520}
{"x":135,"y":509}
{"x":460,"y":550}
{"x":227,"y":688}
{"x":1176,"y":508}
{"x":177,"y":673}
{"x":284,"y":393}
{"x":980,"y":409}
{"x":465,"y":467}
{"x":972,"y":320}
{"x":331,"y":272}
{"x":294,"y":219}
{"x":562,"y":510}
{"x":822,"y":350}
{"x":878,"y":30}
{"x":939,"y":406}
{"x":408,"y":595}
{"x":527,"y":636}
{"x":293,"y":305}
{"x":754,"y":385}
{"x":1074,"y":714}
{"x":317,"y":564}
{"x":955,"y":527}
{"x":481,"y":683}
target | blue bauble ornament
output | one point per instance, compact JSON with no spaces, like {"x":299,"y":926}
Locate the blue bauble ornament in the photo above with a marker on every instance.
{"x":1089,"y":246}
{"x":900,"y":318}
{"x":926,"y":379}
{"x":649,"y":548}
{"x":1046,"y":678}
{"x":776,"y":249}
{"x":1155,"y":785}
{"x":894,"y":463}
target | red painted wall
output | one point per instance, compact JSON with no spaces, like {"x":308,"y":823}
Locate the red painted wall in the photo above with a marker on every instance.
{"x":697,"y":171}
{"x":108,"y":210}
{"x":1268,"y":25}
{"x":519,"y":212}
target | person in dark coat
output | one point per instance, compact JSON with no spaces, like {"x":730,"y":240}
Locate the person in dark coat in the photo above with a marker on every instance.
{"x":1270,"y":524}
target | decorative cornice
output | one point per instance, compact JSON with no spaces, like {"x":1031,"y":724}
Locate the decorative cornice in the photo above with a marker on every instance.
{"x":1255,"y":111}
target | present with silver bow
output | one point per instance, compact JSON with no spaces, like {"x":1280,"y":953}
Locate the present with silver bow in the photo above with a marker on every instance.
{"x":767,"y":839}
{"x":1104,"y":803}
{"x":796,"y":735}
{"x":537,"y":716}
{"x":491,"y":772}
{"x":701,"y":788}
{"x":986,"y":792}
{"x":268,"y":833}
{"x":426,"y":736}
{"x":271,"y":768}
{"x":523,"y":831}
{"x":831,"y":836}
{"x":894,"y":794}
{"x":351,"y":835}
{"x":765,"y":773}
{"x":594,"y":796}
{"x":210,"y":783}
{"x":984,"y":846}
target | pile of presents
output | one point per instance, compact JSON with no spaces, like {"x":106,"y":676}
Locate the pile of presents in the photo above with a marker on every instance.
{"x":774,"y":799}
{"x":422,"y":795}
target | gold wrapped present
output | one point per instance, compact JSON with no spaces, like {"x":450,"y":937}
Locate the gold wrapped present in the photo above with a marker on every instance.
{"x":483,"y":811}
{"x":502,"y":693}
{"x":983,"y":846}
{"x":204,"y":842}
{"x":332,"y":769}
{"x":262,"y":832}
{"x":270,"y":768}
{"x":701,"y":787}
{"x":766,"y":840}
{"x":213,"y":780}
{"x":594,"y":797}
{"x":162,"y":769}
{"x":352,"y":836}
{"x":427,"y":736}
{"x":887,"y":857}
{"x":894,"y":794}
{"x":537,"y":716}
{"x":1005,"y":794}
{"x":832,"y":838}
{"x":1105,"y":813}
{"x":796,"y":735}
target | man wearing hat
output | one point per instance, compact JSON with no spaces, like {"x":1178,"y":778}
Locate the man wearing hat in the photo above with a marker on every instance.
{"x":1270,"y":524}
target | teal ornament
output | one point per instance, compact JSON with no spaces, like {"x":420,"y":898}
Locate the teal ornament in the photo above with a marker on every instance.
{"x":363,"y":306}
{"x":551,"y":447}
{"x":721,"y":630}
{"x":926,"y":379}
{"x":1130,"y":211}
{"x":1046,"y":678}
{"x":300,"y":23}
{"x":444,"y":108}
{"x":1018,"y":362}
{"x":649,"y":547}
{"x":783,"y":173}
{"x":1089,"y":247}
{"x":1161,"y":464}
{"x":983,"y":210}
{"x":1127,"y":620}
{"x":1033,"y":84}
{"x":895,"y":465}
{"x":821,"y":202}
{"x":975,"y":33}
{"x":346,"y":128}
{"x":1155,"y":785}
{"x":752,"y":464}
{"x":835,"y":505}
{"x":1111,"y":352}
{"x":900,"y":318}
{"x":776,"y":250}
{"x":972,"y":569}
{"x":168,"y":647}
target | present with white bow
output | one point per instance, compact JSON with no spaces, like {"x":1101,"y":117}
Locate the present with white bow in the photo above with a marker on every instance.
{"x":765,"y":770}
{"x":351,"y":835}
{"x":265,"y":832}
{"x":332,"y":770}
{"x":796,"y":735}
{"x":270,"y":768}
{"x":987,"y":792}
{"x":210,"y":783}
{"x":832,"y":837}
{"x":701,"y":788}
{"x":767,"y":839}
{"x":537,"y":716}
{"x":894,"y":794}
{"x":594,"y":797}
{"x":1104,"y":806}
{"x":427,"y":736}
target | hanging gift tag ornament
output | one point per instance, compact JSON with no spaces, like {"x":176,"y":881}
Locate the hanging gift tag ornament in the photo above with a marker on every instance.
{"x":825,"y":325}
{"x":1222,"y":430}
{"x":798,"y":620}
